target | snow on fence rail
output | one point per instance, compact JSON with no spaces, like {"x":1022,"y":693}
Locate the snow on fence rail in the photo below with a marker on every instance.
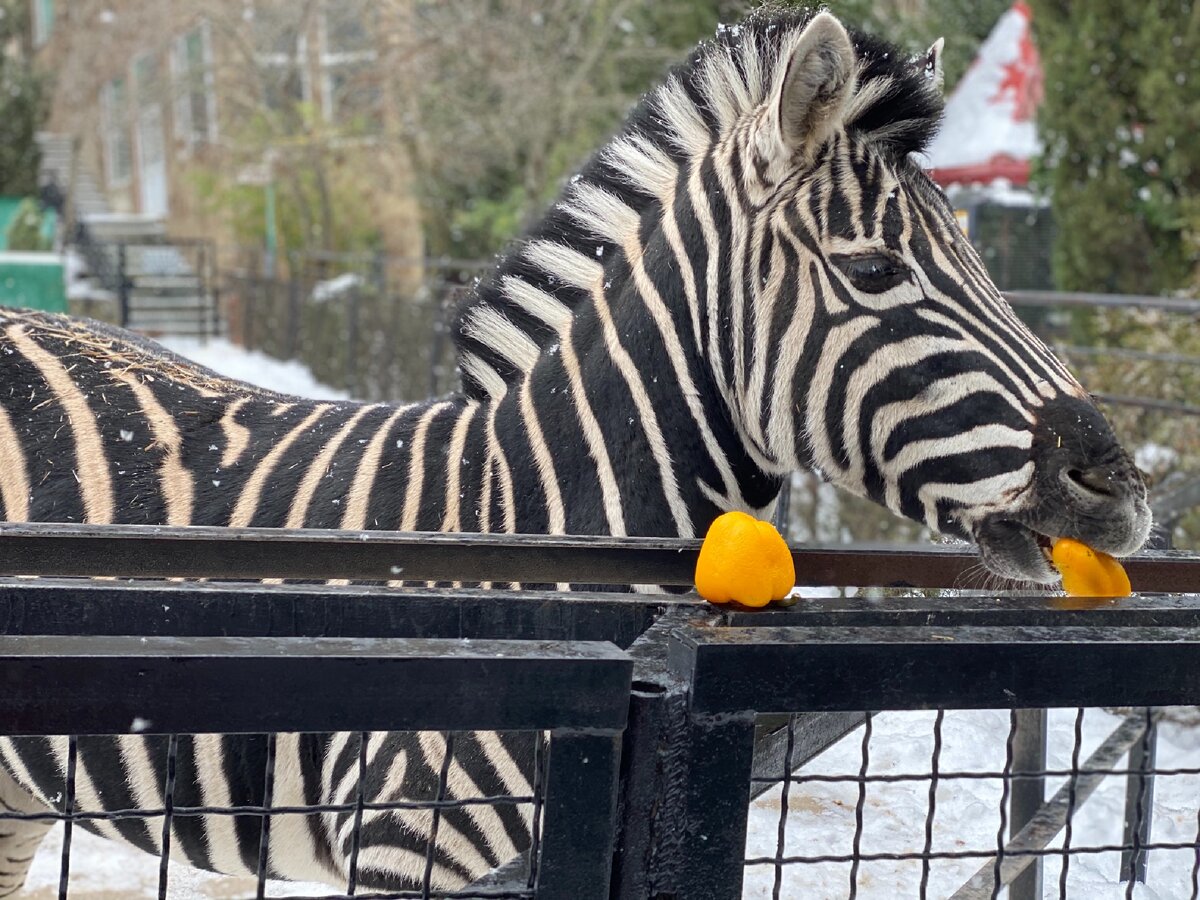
{"x":721,"y":720}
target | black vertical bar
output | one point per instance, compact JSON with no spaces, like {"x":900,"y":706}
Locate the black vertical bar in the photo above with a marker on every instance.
{"x":1139,"y":805}
{"x":934,"y":768}
{"x":293,"y":324}
{"x":122,"y":285}
{"x":202,"y":305}
{"x":781,"y":835}
{"x":431,"y":847}
{"x":64,"y":872}
{"x":718,"y":762}
{"x":168,"y":814}
{"x":860,"y":806}
{"x":359,"y":800}
{"x":249,"y":303}
{"x":264,"y":836}
{"x":1029,"y":755}
{"x":1006,"y":787}
{"x":352,"y":353}
{"x":539,"y":803}
{"x":581,"y":815}
{"x":1196,"y":862}
{"x":783,"y":506}
{"x":1071,"y":788}
{"x":214,"y":288}
{"x":654,"y":708}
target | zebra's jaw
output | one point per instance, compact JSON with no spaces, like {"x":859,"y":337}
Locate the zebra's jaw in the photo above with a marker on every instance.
{"x":1011,"y":549}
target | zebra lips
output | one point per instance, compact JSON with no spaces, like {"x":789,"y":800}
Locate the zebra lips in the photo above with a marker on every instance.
{"x":744,"y":560}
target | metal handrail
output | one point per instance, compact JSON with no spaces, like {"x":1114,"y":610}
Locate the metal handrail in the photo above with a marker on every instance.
{"x":252,"y":553}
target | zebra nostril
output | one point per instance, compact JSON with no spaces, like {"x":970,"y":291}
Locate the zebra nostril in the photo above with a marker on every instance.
{"x":1091,"y":481}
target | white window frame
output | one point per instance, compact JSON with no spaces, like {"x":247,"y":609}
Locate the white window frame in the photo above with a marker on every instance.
{"x":184,"y":126}
{"x":331,"y":60}
{"x":113,"y":131}
{"x":298,"y":58}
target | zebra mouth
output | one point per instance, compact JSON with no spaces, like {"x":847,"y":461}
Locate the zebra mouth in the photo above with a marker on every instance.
{"x":1012,"y":549}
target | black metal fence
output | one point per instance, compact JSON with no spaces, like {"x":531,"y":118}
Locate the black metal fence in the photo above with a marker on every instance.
{"x":716,"y":718}
{"x":376,"y":327}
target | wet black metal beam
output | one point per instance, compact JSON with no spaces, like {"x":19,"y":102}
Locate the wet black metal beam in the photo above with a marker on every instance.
{"x":771,"y":670}
{"x":115,"y":685}
{"x":314,"y":554}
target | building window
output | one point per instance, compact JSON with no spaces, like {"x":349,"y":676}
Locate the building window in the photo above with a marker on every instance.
{"x":350,"y":90}
{"x":280,"y":47}
{"x":195,"y":96}
{"x":43,"y":21}
{"x":118,"y":148}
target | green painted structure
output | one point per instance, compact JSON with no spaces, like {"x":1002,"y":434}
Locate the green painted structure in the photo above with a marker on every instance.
{"x":32,"y":280}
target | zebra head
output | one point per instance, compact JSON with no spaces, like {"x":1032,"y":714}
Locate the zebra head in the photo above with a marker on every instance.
{"x":754,"y":276}
{"x":865,"y":337}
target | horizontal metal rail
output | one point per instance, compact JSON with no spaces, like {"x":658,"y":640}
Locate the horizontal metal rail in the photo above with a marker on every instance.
{"x":775,"y":670}
{"x":191,"y":609}
{"x":142,"y":551}
{"x":115,"y":685}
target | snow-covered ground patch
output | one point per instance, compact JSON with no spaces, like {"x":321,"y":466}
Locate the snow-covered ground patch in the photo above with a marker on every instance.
{"x":251,"y":366}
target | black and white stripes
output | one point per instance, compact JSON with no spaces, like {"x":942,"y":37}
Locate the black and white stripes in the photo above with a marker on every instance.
{"x":752,"y":277}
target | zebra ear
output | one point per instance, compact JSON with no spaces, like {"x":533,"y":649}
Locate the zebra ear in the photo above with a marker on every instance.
{"x":933,"y":64}
{"x":816,"y":85}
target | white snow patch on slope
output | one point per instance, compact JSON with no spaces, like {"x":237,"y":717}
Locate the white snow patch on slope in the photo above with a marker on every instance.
{"x":251,"y":366}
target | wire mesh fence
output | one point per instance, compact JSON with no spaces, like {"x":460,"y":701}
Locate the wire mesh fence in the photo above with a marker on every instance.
{"x":747,"y":767}
{"x":428,"y":826}
{"x":925,"y":805}
{"x":234,"y":755}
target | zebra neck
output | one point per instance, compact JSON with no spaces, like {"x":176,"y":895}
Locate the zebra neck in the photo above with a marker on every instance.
{"x":618,"y":428}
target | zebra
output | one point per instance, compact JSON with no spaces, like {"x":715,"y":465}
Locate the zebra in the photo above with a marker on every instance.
{"x":753,"y":276}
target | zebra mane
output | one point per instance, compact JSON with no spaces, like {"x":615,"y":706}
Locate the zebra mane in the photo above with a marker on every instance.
{"x":525,"y":305}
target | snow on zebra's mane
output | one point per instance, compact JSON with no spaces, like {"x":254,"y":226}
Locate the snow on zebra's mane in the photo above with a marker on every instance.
{"x":526,"y":304}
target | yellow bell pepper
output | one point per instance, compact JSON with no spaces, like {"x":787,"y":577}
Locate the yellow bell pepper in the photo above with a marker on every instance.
{"x":1087,"y":572}
{"x":744,"y":561}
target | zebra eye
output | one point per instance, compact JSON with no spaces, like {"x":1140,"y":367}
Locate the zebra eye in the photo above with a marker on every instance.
{"x":872,"y":273}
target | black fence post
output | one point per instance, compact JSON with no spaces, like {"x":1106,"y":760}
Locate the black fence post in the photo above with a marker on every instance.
{"x":122,"y":285}
{"x":1139,"y":803}
{"x":719,"y":760}
{"x":580,"y":816}
{"x":352,"y":386}
{"x":1028,"y":794}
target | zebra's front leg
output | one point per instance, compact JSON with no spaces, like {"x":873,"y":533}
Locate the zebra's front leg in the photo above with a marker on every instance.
{"x":19,"y":839}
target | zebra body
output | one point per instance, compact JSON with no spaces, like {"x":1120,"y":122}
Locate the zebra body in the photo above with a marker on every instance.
{"x":752,"y":277}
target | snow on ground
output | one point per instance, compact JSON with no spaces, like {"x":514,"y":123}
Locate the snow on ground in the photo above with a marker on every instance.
{"x":249,"y":365}
{"x":821,"y":815}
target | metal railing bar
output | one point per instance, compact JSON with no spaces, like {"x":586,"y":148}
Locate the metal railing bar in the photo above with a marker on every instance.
{"x":110,"y":685}
{"x":143,"y":551}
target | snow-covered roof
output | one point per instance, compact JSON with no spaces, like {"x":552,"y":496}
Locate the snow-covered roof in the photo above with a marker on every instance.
{"x":989,"y":131}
